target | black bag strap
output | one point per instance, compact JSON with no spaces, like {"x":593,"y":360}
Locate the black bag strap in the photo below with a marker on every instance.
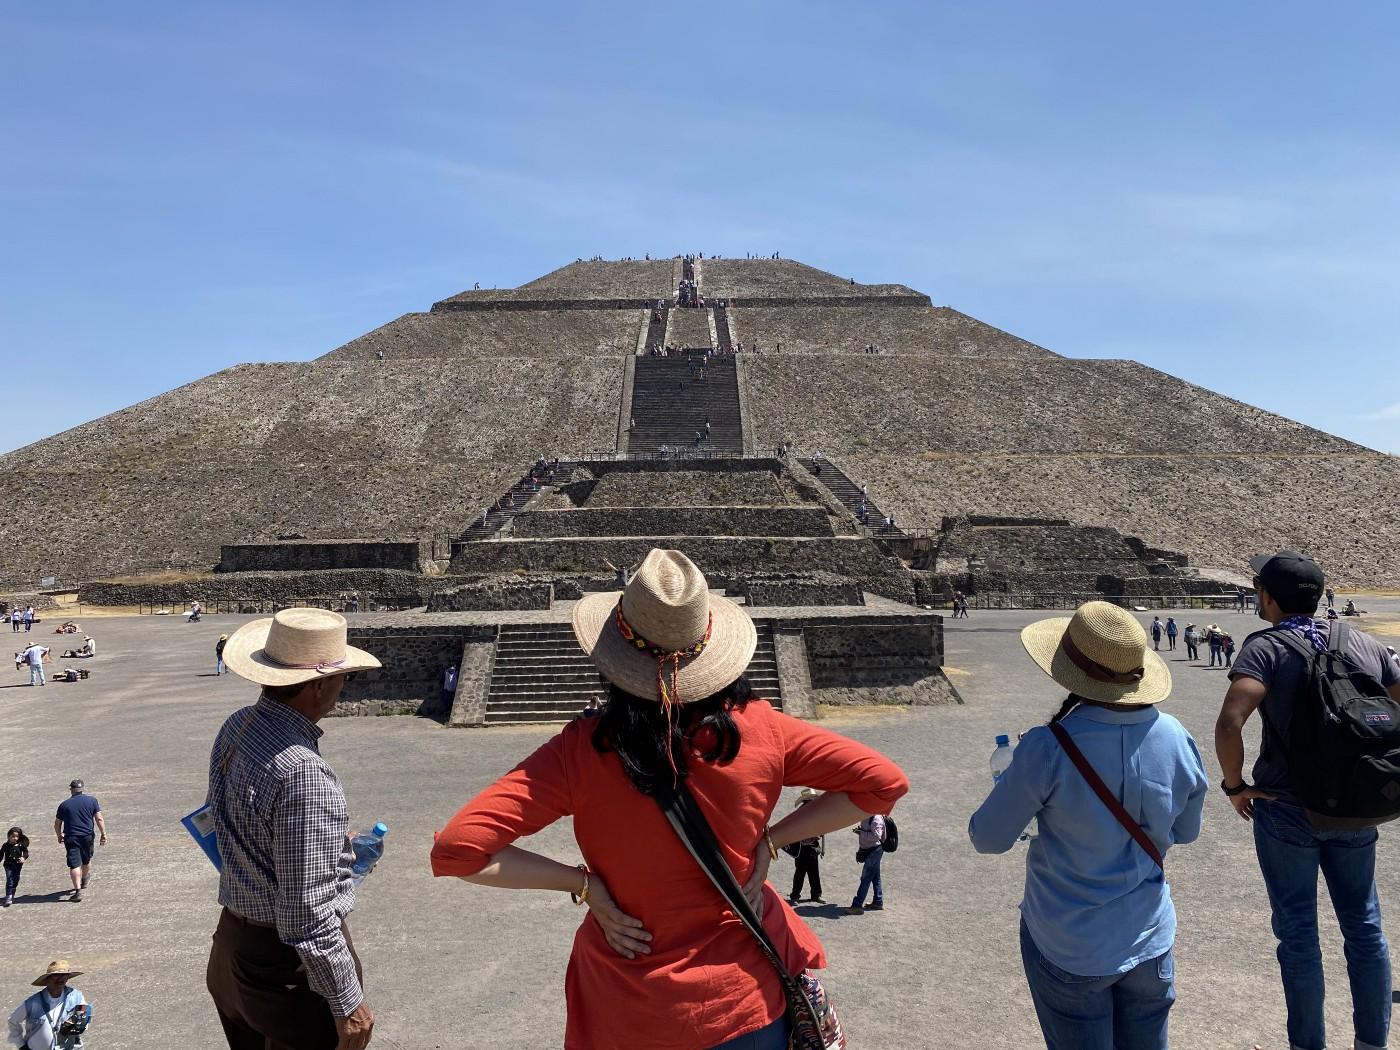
{"x":695,"y":833}
{"x":1107,"y":797}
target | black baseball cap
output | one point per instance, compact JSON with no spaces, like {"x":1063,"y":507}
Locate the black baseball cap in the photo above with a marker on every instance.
{"x":1292,"y":579}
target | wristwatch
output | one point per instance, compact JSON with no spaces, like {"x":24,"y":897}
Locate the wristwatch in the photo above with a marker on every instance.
{"x":1231,"y":792}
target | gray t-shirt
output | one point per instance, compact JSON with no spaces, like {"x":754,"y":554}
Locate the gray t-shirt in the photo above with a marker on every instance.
{"x":1270,"y":661}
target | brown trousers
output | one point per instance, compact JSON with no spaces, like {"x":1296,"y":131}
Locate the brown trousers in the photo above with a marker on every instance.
{"x":261,"y":991}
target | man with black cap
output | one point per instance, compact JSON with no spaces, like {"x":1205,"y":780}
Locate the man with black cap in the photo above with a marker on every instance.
{"x":77,"y":822}
{"x":1268,"y":675}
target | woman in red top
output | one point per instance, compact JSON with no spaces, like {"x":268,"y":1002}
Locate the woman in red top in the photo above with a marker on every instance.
{"x":660,"y":962}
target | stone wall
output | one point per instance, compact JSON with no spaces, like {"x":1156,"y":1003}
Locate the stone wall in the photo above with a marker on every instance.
{"x":267,"y":591}
{"x":784,"y":279}
{"x":385,"y":448}
{"x":414,"y":658}
{"x":793,"y":589}
{"x":494,"y":592}
{"x":486,"y":334}
{"x":812,"y":329}
{"x":720,"y":558}
{"x":301,"y":555}
{"x":673,"y":521}
{"x":845,"y":656}
{"x":687,"y":488}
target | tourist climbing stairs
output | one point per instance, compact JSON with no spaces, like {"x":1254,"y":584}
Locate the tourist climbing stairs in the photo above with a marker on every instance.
{"x":517,"y":498}
{"x":541,"y":675}
{"x":656,"y":330}
{"x":723,"y":337}
{"x":848,"y":492}
{"x":670,"y":403}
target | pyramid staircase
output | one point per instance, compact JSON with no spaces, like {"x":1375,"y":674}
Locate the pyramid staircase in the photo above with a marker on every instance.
{"x":541,"y":674}
{"x":723,"y":337}
{"x":669,"y":404}
{"x":848,"y":492}
{"x":517,"y":498}
{"x":656,"y":330}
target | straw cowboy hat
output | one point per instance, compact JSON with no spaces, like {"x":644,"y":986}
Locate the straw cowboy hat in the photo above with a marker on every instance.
{"x":57,"y":968}
{"x":295,"y":645}
{"x":666,"y":637}
{"x":1099,"y":653}
{"x":808,"y":795}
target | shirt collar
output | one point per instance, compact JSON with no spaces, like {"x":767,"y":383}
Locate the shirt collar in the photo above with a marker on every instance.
{"x":1114,"y":716}
{"x":289,"y":718}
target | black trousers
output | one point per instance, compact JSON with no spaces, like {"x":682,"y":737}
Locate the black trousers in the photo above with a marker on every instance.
{"x":261,"y":991}
{"x":808,"y":867}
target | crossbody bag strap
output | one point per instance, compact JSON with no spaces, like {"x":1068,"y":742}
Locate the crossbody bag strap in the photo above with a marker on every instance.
{"x":1131,"y":826}
{"x":695,"y":833}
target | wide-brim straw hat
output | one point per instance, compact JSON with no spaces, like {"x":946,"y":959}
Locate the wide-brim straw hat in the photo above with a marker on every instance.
{"x":57,"y":968}
{"x":1099,"y":653}
{"x":667,"y":608}
{"x":295,"y":645}
{"x":809,"y":795}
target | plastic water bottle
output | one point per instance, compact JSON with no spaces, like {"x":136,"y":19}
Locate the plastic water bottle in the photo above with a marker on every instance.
{"x":1001,"y":757}
{"x":368,"y":848}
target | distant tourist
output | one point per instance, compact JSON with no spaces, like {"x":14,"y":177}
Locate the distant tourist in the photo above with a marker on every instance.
{"x":77,"y":822}
{"x":15,"y":616}
{"x":1171,"y":633}
{"x":679,"y":712}
{"x":1097,"y":920}
{"x":593,"y":708}
{"x":1214,"y":638}
{"x":219,"y":654}
{"x":870,"y":852}
{"x":1192,"y":637}
{"x":56,"y":1016}
{"x":1227,"y":647}
{"x":449,"y":686}
{"x":196,"y":612}
{"x":34,"y":656}
{"x":283,"y":971}
{"x":807,"y":854}
{"x":13,"y":853}
{"x":1331,"y":597}
{"x":28,"y":618}
{"x":1156,"y":632}
{"x":1271,"y":676}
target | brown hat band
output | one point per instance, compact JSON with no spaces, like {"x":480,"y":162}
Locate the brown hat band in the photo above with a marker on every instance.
{"x":1097,"y":671}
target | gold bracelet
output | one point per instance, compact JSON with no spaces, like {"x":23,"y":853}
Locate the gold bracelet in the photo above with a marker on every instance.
{"x":581,"y":897}
{"x":768,"y":838}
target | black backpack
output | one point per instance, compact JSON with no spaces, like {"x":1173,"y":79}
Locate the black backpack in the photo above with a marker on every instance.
{"x":891,"y":841}
{"x":1343,"y":745}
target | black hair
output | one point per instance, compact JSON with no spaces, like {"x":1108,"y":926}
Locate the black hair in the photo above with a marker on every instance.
{"x":23,"y":838}
{"x":636,"y":729}
{"x":283,"y":693}
{"x":1071,"y":702}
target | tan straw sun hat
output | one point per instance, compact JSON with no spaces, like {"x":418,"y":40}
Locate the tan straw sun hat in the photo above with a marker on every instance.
{"x":57,"y":968}
{"x":1099,"y":653}
{"x":295,"y":645}
{"x":666,"y":637}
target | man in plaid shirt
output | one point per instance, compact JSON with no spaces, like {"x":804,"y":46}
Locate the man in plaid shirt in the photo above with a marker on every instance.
{"x":283,"y":971}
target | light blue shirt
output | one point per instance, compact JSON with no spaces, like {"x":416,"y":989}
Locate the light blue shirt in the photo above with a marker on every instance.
{"x":1095,"y":903}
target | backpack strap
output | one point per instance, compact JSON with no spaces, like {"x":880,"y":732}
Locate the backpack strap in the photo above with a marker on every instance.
{"x":1337,"y":638}
{"x":1091,"y":776}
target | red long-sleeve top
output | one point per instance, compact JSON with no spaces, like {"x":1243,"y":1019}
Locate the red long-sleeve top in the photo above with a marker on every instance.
{"x":706,"y":980}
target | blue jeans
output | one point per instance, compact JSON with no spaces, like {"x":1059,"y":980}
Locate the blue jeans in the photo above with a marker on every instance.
{"x":773,"y":1037}
{"x":36,"y":674}
{"x":12,"y":880}
{"x":870,"y":876}
{"x":1291,"y":852}
{"x":1123,"y":1011}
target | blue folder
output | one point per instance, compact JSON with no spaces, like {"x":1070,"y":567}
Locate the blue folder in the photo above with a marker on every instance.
{"x":200,"y":825}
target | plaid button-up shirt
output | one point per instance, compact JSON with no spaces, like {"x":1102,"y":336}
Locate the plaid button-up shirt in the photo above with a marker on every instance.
{"x":280,"y":821}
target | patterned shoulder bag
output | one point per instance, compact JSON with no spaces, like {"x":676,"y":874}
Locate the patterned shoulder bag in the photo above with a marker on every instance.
{"x":815,"y":1025}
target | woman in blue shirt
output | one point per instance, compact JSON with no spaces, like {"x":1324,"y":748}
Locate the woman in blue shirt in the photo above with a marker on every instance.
{"x":1097,"y":921}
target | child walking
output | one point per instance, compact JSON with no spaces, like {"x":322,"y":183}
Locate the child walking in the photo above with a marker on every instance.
{"x":14,"y":853}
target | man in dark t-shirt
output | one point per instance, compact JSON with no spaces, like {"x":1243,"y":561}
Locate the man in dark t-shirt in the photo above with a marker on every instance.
{"x":1292,"y":848}
{"x":79,"y":819}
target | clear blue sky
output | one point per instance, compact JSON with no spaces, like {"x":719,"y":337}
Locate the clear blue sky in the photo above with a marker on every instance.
{"x":1209,"y":188}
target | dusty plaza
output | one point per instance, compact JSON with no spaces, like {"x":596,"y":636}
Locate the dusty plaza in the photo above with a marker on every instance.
{"x":455,"y":966}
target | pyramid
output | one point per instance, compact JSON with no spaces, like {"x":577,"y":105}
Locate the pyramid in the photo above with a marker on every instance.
{"x":411,"y":431}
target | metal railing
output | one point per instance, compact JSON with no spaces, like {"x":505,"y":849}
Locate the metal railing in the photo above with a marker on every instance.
{"x":1074,"y":599}
{"x":249,"y":606}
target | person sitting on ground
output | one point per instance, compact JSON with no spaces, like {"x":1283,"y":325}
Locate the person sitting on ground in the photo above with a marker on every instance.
{"x":659,"y":937}
{"x":1097,"y":921}
{"x":1350,"y":609}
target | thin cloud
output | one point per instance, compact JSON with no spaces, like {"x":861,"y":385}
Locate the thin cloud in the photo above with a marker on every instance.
{"x":1390,"y":413}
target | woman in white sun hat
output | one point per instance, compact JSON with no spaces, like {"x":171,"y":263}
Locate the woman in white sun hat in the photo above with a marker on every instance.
{"x":1114,"y":783}
{"x":661,"y":962}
